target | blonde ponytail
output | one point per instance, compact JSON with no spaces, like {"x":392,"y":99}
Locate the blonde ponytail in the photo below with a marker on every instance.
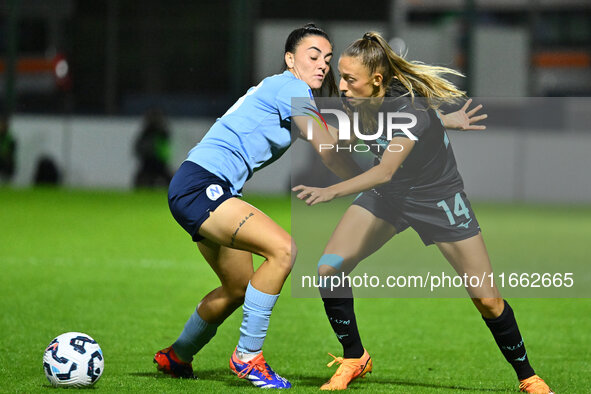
{"x":418,"y":78}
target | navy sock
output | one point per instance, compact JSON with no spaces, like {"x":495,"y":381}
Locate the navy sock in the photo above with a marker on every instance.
{"x":341,"y":315}
{"x":506,"y":333}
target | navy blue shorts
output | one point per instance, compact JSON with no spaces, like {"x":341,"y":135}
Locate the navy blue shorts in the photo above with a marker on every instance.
{"x":193,"y":193}
{"x":439,"y":220}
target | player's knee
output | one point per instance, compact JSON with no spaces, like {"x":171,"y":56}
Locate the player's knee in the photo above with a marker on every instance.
{"x":284,"y":254}
{"x":329,"y":264}
{"x":294,"y":252}
{"x":238,"y":292}
{"x":236,"y":297}
{"x":325,"y":270}
{"x":489,"y":307}
{"x":235,"y":291}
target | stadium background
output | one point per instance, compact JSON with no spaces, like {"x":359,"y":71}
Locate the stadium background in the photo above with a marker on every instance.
{"x":96,"y":255}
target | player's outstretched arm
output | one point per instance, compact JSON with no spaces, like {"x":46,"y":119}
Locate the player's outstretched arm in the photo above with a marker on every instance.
{"x":375,"y":176}
{"x":325,"y":142}
{"x":464,"y":119}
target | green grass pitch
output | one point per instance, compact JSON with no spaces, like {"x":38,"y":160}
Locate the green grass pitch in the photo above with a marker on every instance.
{"x":117,"y":266}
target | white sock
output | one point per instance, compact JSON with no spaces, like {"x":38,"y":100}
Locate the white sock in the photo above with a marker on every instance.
{"x":246,"y":357}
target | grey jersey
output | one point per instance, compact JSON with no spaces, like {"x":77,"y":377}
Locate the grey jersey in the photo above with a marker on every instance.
{"x":430,"y":170}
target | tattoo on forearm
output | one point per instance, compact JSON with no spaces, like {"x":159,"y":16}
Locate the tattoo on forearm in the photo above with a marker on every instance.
{"x":239,"y":226}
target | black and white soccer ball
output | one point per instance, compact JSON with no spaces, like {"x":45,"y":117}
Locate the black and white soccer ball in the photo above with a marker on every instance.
{"x":73,"y":359}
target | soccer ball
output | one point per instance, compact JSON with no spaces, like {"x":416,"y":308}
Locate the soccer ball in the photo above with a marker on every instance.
{"x":73,"y":359}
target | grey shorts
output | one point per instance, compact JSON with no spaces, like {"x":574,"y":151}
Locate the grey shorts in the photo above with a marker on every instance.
{"x":438,"y":220}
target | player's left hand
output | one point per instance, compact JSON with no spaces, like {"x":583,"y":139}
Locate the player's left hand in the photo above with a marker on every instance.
{"x":464,"y":119}
{"x":313,"y":195}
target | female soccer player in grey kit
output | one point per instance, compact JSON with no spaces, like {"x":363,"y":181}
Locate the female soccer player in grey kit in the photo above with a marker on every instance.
{"x":414,"y":184}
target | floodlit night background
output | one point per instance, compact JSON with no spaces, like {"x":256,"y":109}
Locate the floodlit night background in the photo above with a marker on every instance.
{"x":78,"y":77}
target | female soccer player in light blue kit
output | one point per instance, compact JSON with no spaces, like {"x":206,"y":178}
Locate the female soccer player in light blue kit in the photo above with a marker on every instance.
{"x":203,"y":198}
{"x":253,"y":133}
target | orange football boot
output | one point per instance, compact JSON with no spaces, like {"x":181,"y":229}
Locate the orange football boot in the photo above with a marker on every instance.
{"x":348,"y":370}
{"x":534,"y":385}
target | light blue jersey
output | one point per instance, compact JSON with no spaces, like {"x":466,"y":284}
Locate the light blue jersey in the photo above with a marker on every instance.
{"x":253,"y":133}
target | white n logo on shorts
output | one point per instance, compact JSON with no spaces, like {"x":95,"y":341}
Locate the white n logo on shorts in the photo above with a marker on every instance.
{"x":214,"y":192}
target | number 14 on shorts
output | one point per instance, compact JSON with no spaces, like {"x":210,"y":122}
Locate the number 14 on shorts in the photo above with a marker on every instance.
{"x":460,"y":209}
